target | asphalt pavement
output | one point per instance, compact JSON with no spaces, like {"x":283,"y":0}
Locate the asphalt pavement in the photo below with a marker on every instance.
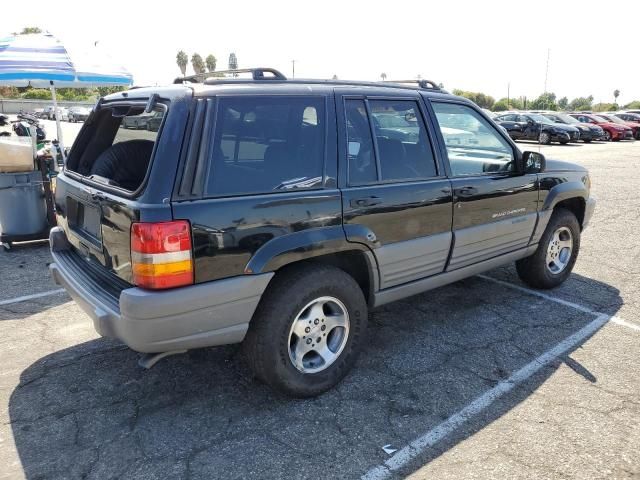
{"x":480,"y":379}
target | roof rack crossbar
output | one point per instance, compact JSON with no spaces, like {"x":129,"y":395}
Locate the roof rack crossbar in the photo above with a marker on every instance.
{"x":256,"y":74}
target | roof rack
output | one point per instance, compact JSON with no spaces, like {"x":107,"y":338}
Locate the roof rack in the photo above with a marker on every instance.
{"x":272,"y":75}
{"x":422,"y":83}
{"x":220,"y":75}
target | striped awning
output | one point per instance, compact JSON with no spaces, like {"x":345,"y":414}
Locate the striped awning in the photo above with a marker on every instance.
{"x":39,"y":59}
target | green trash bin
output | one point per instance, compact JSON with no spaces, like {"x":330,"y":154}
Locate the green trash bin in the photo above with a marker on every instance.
{"x":23,"y":210}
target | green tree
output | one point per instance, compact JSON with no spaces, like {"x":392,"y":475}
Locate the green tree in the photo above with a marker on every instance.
{"x":616,"y":94}
{"x":480,"y":99}
{"x":546,"y":101}
{"x":635,"y":105}
{"x":182,"y":60}
{"x":28,"y":30}
{"x":210,"y":62}
{"x":197,"y":63}
{"x":581,"y":103}
{"x":563,"y":103}
{"x":500,"y":106}
{"x":103,"y":91}
{"x":383,"y":76}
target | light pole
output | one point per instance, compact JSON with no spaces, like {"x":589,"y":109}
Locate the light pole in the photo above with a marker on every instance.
{"x":293,"y":69}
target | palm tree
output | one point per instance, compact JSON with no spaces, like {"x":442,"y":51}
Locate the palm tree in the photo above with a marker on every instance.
{"x":197,"y":63}
{"x":233,"y":63}
{"x":616,"y":94}
{"x":182,"y":60}
{"x":211,"y":62}
{"x":383,"y":76}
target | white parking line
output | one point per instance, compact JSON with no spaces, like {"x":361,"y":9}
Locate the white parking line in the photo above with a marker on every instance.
{"x":433,"y":436}
{"x":31,"y":297}
{"x":403,"y":456}
{"x":612,"y":318}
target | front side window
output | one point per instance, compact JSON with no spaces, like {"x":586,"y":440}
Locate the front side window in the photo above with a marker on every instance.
{"x":473,"y":144}
{"x":267,"y":144}
{"x":403,"y":148}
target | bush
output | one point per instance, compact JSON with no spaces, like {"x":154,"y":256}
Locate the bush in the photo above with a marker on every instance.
{"x":605,"y":107}
{"x":9,"y":92}
{"x":37,"y":94}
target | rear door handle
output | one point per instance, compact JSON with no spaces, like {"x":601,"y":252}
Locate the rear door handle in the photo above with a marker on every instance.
{"x":365,"y":202}
{"x":466,"y":191}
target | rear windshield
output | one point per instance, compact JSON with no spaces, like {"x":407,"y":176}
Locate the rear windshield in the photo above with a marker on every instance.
{"x":115,"y":149}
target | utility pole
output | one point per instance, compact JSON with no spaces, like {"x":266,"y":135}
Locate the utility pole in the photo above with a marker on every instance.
{"x":508,"y":96}
{"x":546,"y":73}
{"x":293,"y":69}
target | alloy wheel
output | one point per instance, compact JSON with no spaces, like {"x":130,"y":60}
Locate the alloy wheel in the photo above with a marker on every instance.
{"x":318,"y":334}
{"x":559,"y":250}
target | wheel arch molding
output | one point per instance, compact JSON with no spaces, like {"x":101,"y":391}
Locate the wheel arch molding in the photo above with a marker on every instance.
{"x":573,"y":195}
{"x":300,"y":246}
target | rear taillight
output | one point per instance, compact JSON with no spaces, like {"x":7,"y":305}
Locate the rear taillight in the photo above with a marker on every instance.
{"x":161,"y":254}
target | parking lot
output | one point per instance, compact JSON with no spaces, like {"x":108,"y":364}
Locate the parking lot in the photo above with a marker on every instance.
{"x":484,"y":378}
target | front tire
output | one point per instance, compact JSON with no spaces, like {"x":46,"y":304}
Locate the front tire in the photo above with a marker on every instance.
{"x":307,"y":330}
{"x":553,"y":261}
{"x":544,"y":138}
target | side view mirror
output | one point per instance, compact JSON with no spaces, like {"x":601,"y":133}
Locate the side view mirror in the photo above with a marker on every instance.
{"x":533,"y":162}
{"x":530,"y":122}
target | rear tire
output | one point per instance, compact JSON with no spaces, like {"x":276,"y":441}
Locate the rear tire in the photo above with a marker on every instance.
{"x":557,"y":251}
{"x":307,"y":299}
{"x":587,"y":141}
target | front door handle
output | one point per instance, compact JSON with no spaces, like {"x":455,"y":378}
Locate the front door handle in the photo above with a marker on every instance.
{"x":365,"y":202}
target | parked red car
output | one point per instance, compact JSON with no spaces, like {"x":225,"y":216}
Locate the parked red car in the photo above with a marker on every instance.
{"x":612,"y":131}
{"x":635,"y":126}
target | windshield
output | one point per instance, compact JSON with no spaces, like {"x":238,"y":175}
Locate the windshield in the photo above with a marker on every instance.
{"x":539,"y":118}
{"x":600,"y":118}
{"x":615,"y":119}
{"x":567,"y":118}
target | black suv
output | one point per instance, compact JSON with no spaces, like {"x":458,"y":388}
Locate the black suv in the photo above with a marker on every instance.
{"x":276,"y":212}
{"x":532,"y":126}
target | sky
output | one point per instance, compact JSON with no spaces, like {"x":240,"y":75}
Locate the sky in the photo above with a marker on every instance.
{"x":468,"y":44}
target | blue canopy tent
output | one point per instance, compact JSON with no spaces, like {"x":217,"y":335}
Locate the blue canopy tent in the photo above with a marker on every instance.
{"x":41,"y":60}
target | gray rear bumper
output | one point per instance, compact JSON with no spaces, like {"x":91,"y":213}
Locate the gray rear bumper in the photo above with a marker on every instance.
{"x":208,"y":314}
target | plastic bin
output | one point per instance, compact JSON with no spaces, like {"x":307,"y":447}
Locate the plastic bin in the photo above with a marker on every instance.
{"x":16,"y":154}
{"x":23,"y":208}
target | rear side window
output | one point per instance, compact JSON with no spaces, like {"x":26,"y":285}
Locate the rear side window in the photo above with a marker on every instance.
{"x":267,"y":144}
{"x":362,"y":161}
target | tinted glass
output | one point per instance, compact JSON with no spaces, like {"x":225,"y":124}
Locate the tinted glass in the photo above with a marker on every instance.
{"x":473,"y":144}
{"x":362,"y":163}
{"x":403,"y":146}
{"x":267,"y":144}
